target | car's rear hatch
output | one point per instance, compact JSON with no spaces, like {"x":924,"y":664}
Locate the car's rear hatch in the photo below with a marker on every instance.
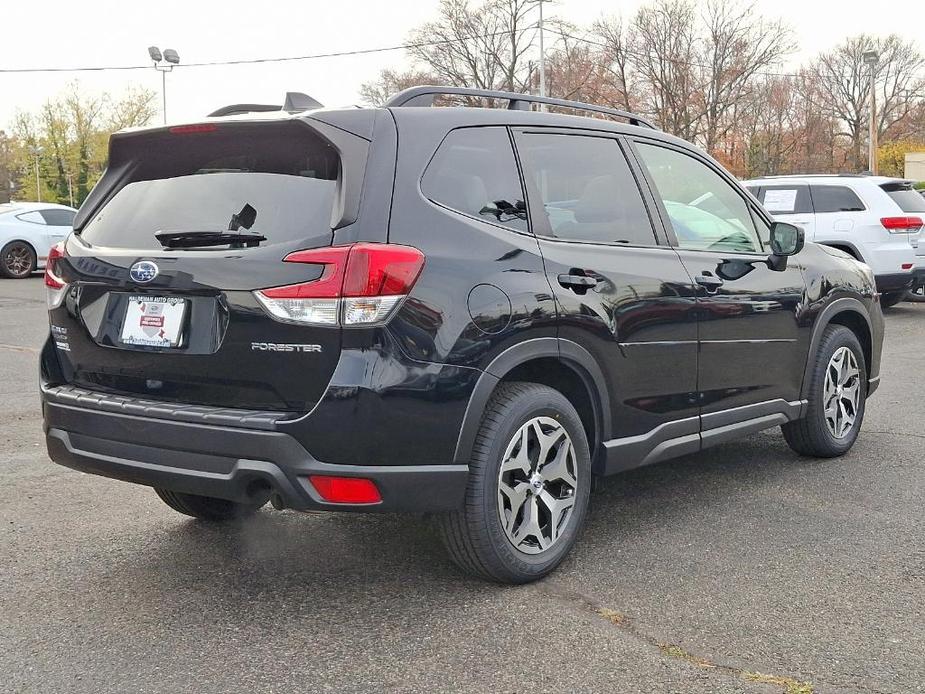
{"x":182,"y":324}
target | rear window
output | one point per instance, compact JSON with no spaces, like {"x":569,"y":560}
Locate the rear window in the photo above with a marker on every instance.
{"x":198,"y":181}
{"x":835,"y":199}
{"x":904,"y":195}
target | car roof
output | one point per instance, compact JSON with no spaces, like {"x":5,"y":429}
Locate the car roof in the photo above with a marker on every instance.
{"x":840,"y":179}
{"x":18,"y":206}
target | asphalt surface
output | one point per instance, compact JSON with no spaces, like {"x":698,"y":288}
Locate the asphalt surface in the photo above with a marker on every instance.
{"x":740,"y":569}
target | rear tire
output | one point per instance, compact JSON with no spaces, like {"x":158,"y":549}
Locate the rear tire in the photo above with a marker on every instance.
{"x":825,"y":431}
{"x":206,"y":507}
{"x":17,"y":260}
{"x":528,"y":490}
{"x":890,"y":299}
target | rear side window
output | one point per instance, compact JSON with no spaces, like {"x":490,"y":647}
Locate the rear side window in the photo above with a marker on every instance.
{"x":34,"y":217}
{"x":58,"y":218}
{"x":474,"y":172}
{"x":835,"y":199}
{"x":588,"y":191}
{"x":908,"y":199}
{"x":199,"y":181}
{"x":778,"y":199}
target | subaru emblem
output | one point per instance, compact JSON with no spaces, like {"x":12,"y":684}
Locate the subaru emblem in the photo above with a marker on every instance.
{"x":143,"y":271}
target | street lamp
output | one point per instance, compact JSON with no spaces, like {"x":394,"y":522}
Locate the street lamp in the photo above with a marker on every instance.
{"x":164,"y":63}
{"x":870,"y":59}
{"x":36,"y":152}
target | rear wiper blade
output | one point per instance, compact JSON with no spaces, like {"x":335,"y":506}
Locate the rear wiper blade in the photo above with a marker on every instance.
{"x":199,"y":239}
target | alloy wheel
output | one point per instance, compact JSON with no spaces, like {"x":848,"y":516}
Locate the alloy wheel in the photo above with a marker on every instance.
{"x":842,"y":392}
{"x":18,"y":259}
{"x":537,"y":485}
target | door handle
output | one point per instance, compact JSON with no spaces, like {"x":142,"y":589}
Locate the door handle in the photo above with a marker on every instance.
{"x":709,"y":282}
{"x":577,"y":282}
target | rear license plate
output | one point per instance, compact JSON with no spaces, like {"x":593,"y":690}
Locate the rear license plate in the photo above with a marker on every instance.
{"x":153,"y":321}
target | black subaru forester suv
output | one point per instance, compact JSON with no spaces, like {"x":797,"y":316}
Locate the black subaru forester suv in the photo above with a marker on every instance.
{"x":472,"y":312}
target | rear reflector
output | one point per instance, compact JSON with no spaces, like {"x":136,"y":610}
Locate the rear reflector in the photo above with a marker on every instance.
{"x":360,"y":284}
{"x":901,"y":224}
{"x":346,"y":490}
{"x":906,"y":266}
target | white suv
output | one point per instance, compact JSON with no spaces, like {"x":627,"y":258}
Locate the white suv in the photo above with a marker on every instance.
{"x":876,"y":219}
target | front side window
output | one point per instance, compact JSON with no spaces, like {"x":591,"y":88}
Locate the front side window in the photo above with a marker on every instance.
{"x":587,"y":188}
{"x":836,"y":199}
{"x":706,"y":212}
{"x":474,"y":172}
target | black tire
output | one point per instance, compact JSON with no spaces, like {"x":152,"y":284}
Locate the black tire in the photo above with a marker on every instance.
{"x":916,"y":295}
{"x":890,"y":299}
{"x":206,"y":507}
{"x":475,"y":536}
{"x":17,"y":260}
{"x":811,"y":436}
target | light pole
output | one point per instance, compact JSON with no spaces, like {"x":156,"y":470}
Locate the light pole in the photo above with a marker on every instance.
{"x":36,"y":151}
{"x":542,"y":56}
{"x":164,"y":63}
{"x":870,"y":58}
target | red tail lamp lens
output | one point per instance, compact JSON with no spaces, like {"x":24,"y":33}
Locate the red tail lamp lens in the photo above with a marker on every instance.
{"x":195,"y":128}
{"x":52,"y":279}
{"x":346,"y":490}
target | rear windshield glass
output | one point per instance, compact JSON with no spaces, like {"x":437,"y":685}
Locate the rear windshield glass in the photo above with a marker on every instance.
{"x":908,"y":200}
{"x":200,"y":181}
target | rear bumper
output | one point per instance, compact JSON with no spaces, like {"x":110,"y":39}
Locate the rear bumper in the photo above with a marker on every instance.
{"x":894,"y":282}
{"x":233,"y":462}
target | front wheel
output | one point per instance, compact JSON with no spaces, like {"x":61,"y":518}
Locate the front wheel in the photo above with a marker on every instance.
{"x":528,"y":489}
{"x":205,"y":507}
{"x":837,"y":396}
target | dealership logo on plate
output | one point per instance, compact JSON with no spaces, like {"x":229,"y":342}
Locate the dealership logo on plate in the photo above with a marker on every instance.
{"x":143,"y":271}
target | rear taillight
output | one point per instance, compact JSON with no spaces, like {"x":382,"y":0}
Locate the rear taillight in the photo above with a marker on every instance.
{"x":360,"y":284}
{"x":55,"y":286}
{"x":901,"y":225}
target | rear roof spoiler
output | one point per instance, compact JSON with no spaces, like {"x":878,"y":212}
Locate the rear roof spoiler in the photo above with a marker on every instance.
{"x":295,"y":102}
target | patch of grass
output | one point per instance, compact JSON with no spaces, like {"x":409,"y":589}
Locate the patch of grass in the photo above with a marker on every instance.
{"x":789,"y":685}
{"x":675,"y":651}
{"x":613,"y":616}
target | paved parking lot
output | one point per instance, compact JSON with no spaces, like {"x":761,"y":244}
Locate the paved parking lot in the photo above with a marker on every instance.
{"x":740,"y":569}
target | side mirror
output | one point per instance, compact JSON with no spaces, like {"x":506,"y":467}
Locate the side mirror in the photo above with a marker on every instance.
{"x":786,"y":240}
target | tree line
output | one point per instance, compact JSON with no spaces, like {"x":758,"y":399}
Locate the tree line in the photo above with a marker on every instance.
{"x":709,"y":72}
{"x":58,"y":153}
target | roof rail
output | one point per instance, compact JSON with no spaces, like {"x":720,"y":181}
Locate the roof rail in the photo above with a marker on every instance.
{"x":295,"y":103}
{"x":424,"y":96}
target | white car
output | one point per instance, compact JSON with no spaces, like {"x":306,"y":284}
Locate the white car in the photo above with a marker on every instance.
{"x":28,"y":230}
{"x":876,"y":219}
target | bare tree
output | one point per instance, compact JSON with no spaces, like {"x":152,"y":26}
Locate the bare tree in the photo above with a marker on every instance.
{"x":664,"y":50}
{"x":736,"y":47}
{"x":844,"y":80}
{"x":391,"y":82}
{"x":612,"y":35}
{"x":481,"y":47}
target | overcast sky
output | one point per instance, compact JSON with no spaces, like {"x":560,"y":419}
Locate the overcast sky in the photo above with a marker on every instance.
{"x":59,"y":33}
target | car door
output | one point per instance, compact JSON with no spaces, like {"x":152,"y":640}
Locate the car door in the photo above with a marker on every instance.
{"x":837,"y":209}
{"x":791,"y":203}
{"x":752,"y":341}
{"x":621,"y":294}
